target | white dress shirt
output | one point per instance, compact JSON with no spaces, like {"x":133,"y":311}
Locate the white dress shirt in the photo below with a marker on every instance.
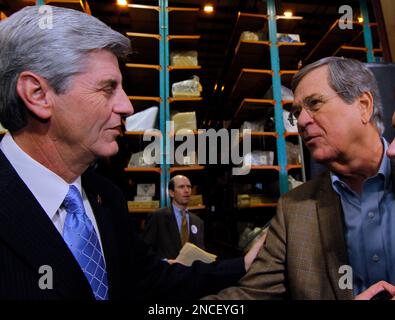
{"x":47,"y":187}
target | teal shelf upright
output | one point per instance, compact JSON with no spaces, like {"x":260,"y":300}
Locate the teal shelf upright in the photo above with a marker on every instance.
{"x":367,"y":33}
{"x":164,"y":106}
{"x":276,"y":82}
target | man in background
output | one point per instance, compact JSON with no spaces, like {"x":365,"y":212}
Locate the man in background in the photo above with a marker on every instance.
{"x":168,"y":229}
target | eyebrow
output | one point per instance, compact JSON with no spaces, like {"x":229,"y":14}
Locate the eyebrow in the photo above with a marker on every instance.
{"x":108,"y":82}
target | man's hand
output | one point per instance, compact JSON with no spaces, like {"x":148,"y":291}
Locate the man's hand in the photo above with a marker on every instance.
{"x":375,"y":289}
{"x":256,"y":247}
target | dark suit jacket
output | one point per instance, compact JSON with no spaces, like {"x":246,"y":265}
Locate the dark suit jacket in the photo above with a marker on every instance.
{"x":305,"y":248}
{"x":161,"y":233}
{"x":29,"y":240}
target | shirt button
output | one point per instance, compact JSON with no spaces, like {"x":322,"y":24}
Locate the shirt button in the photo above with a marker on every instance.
{"x":371,"y":214}
{"x":375,"y":258}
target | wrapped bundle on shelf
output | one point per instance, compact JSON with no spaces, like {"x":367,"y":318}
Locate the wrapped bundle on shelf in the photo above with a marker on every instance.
{"x":146,"y":189}
{"x":154,"y":204}
{"x":141,"y":121}
{"x":288,"y":37}
{"x":187,"y":88}
{"x":196,"y":200}
{"x":184,"y":58}
{"x":293,"y":153}
{"x":184,"y":121}
{"x":253,"y":36}
{"x":257,"y":126}
{"x":137,"y":160}
{"x":259,"y":158}
{"x":286,"y":94}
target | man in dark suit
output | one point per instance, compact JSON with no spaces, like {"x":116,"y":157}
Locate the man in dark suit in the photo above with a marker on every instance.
{"x":168,"y":229}
{"x":334,"y":236}
{"x":64,"y":231}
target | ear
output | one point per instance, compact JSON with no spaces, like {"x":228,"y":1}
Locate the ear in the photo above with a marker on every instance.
{"x":33,"y":90}
{"x":366,"y":107}
{"x":171,"y":193}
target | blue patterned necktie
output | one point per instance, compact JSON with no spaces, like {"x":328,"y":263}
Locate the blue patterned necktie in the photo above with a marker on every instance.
{"x":81,"y":238}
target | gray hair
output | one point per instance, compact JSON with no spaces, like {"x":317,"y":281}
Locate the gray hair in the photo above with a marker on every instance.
{"x":349,"y":78}
{"x":55,"y":52}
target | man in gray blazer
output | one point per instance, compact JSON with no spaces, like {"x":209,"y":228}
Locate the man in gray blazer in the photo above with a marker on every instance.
{"x":334,"y":236}
{"x":167,"y":229}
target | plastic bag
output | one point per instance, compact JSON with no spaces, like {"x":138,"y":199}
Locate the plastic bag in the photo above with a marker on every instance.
{"x":143,"y":120}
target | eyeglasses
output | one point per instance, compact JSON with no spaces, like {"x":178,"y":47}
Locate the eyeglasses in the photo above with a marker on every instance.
{"x":312,"y":104}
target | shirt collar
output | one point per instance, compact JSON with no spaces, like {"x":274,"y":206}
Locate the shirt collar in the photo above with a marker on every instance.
{"x":384,"y":170}
{"x":178,"y":210}
{"x":47,"y":187}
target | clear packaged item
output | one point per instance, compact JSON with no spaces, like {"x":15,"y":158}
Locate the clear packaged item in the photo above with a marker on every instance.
{"x":259,"y":158}
{"x":293,"y":153}
{"x":137,"y":160}
{"x":187,"y":88}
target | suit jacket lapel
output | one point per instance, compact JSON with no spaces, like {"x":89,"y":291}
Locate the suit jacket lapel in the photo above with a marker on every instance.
{"x":330,"y":218}
{"x":29,"y":231}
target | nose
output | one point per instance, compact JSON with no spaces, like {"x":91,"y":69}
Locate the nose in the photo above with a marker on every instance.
{"x":391,"y":150}
{"x":123,"y":105}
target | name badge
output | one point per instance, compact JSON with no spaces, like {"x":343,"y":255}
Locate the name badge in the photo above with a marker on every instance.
{"x":194,"y":229}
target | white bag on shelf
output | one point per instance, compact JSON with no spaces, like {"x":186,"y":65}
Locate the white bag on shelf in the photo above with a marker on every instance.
{"x":259,"y":158}
{"x":293,"y":183}
{"x":143,"y":120}
{"x":286,"y":94}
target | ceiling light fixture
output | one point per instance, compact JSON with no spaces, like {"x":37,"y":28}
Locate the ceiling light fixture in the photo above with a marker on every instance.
{"x":208,"y":8}
{"x":122,"y":3}
{"x":288,"y":14}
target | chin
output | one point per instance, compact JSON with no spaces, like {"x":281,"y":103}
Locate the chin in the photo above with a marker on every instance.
{"x":108,"y":150}
{"x":321,"y":156}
